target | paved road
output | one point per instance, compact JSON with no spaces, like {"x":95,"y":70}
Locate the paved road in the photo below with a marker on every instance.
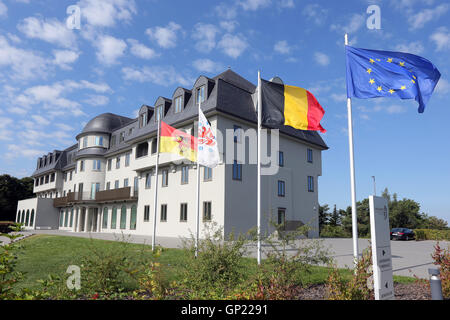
{"x":409,"y":258}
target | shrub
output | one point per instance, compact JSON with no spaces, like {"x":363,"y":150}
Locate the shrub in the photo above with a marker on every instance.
{"x":329,"y":231}
{"x":432,"y":234}
{"x":358,"y":287}
{"x":441,"y":258}
{"x":217,"y":269}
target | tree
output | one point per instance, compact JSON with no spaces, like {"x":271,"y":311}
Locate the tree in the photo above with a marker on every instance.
{"x":323,"y":215}
{"x":432,"y":222}
{"x":12,"y":190}
{"x":335,"y":218}
{"x":363,"y":218}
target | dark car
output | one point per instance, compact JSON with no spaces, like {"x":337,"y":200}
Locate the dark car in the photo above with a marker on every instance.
{"x":402,"y":234}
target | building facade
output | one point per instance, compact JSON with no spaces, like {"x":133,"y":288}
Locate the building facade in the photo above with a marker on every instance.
{"x":106,"y":181}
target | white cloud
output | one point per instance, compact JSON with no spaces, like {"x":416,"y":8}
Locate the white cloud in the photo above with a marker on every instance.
{"x":226,"y":11}
{"x":441,"y":38}
{"x":207,"y":65}
{"x":355,"y":23}
{"x":51,"y":30}
{"x":282,"y":47}
{"x":140,"y":50}
{"x":339,"y":97}
{"x":229,"y":26}
{"x":315,"y":13}
{"x":109,"y":49}
{"x":106,"y":13}
{"x":166,"y":37}
{"x":97,"y":100}
{"x":205,"y":34}
{"x":419,"y":19}
{"x":393,"y":109}
{"x":16,"y":151}
{"x":163,"y":76}
{"x":414,"y":47}
{"x":286,"y":4}
{"x":233,"y":45}
{"x":442,"y":87}
{"x":321,"y":58}
{"x":3,"y":9}
{"x":253,"y":5}
{"x":40,"y":120}
{"x":63,"y":58}
{"x":24,"y":65}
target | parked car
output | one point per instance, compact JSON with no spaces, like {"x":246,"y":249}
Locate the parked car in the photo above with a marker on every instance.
{"x":402,"y":234}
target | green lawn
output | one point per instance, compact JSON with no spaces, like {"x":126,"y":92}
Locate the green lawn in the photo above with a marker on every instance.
{"x":47,"y":254}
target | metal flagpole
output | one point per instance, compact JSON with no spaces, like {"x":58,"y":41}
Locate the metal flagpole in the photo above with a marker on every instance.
{"x":156,"y":184}
{"x":198,"y":192}
{"x":352,"y":175}
{"x":258,"y":206}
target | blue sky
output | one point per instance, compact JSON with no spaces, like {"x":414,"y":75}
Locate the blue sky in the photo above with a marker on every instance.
{"x":127,"y":53}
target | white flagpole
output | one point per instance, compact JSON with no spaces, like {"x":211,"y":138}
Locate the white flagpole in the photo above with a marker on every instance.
{"x":156,"y":184}
{"x":198,"y":192}
{"x":352,"y":175}
{"x":258,"y":206}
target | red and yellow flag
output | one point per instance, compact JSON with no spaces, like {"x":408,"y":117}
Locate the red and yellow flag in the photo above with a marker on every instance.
{"x":179,"y":142}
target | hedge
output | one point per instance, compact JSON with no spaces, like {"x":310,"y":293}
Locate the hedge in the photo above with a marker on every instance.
{"x":432,"y":234}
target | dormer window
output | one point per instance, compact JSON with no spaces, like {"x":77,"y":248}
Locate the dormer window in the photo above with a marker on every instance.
{"x":85,"y":140}
{"x":122,"y":137}
{"x":200,"y":94}
{"x":99,"y":141}
{"x":159,"y":113}
{"x":178,"y":104}
{"x":143,"y":120}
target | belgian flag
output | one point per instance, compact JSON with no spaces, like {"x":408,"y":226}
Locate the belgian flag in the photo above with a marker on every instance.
{"x":290,"y":106}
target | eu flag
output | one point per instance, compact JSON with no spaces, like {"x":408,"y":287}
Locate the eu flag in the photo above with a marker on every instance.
{"x":375,"y":73}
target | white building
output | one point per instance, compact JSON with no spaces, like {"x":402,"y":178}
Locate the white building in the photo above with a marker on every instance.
{"x":105,"y":182}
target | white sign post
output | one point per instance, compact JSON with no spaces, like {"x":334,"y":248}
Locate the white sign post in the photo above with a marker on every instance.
{"x":381,"y":248}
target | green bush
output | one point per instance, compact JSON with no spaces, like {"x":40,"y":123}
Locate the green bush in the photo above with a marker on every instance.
{"x":432,"y":234}
{"x":329,"y":231}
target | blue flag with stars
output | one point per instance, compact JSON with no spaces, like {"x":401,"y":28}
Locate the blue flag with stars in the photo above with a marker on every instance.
{"x":375,"y":73}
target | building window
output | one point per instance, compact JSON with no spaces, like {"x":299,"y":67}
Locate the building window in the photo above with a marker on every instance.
{"x":200,"y":93}
{"x":125,"y":182}
{"x":71,"y":218}
{"x":143,"y":120}
{"x":122,"y":136}
{"x":47,"y":178}
{"x":165,"y":178}
{"x":123,"y":217}
{"x":85,"y":141}
{"x":99,"y":141}
{"x":61,"y":218}
{"x":118,"y":162}
{"x":70,"y":176}
{"x":82,"y":165}
{"x":32,"y":218}
{"x":96,"y":165}
{"x":142,"y":150}
{"x":281,"y":218}
{"x":310,"y":184}
{"x":127,"y":159}
{"x":113,"y":218}
{"x":207,"y":174}
{"x":163,"y":213}
{"x":154,"y":145}
{"x":116,"y":184}
{"x":237,"y":134}
{"x":184,"y":174}
{"x":281,"y":158}
{"x":52,"y":176}
{"x":108,"y":185}
{"x":178,"y":104}
{"x":109,"y":164}
{"x":237,"y":170}
{"x":66,"y":218}
{"x":148,"y":180}
{"x":159,"y":113}
{"x":183,"y":212}
{"x":105,"y":218}
{"x":207,"y":211}
{"x":36,"y":182}
{"x":310,"y":155}
{"x":133,"y":218}
{"x":136,"y":184}
{"x":95,"y":187}
{"x":113,"y":141}
{"x":281,"y":188}
{"x":146,"y":213}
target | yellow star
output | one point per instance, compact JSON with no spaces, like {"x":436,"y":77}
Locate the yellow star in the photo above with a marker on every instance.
{"x":402,"y":87}
{"x":391,"y":91}
{"x":371,"y":61}
{"x":402,"y":64}
{"x":369,"y":71}
{"x":378,"y":59}
{"x":389,"y":60}
{"x":371,"y":81}
{"x":379,"y":89}
{"x":412,"y":80}
{"x":414,"y":77}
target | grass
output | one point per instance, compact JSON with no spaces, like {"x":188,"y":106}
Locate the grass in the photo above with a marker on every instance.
{"x":49,"y":254}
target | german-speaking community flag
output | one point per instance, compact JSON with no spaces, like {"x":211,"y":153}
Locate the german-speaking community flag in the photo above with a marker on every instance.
{"x":290,"y":106}
{"x":179,"y":142}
